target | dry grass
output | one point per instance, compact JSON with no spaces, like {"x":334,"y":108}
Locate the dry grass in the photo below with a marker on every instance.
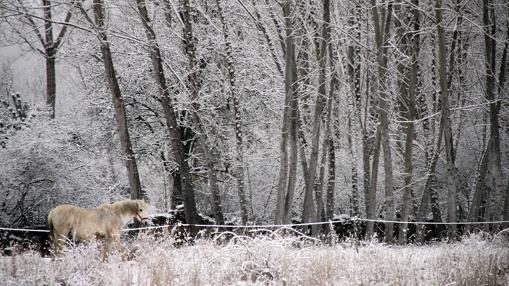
{"x":267,"y":261}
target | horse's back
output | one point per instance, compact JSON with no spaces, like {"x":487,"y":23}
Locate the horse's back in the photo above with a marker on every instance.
{"x":63,"y":213}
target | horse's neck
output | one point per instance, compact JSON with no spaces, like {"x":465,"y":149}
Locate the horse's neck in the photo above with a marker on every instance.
{"x":124,"y":216}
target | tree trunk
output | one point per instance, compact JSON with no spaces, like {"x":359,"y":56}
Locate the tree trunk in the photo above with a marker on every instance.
{"x":51,"y":47}
{"x":51,"y":86}
{"x":382,"y":30}
{"x":49,"y":50}
{"x":480,"y":186}
{"x":447,"y":131}
{"x":494,"y":154}
{"x":506,"y":207}
{"x":290,"y":80}
{"x":325,"y":150}
{"x":208,"y":151}
{"x":353,"y":111}
{"x":501,"y":83}
{"x":309,"y":211}
{"x":427,"y":194}
{"x":490,"y":160}
{"x":182,"y":175}
{"x":292,"y":176}
{"x":174,"y":181}
{"x":409,"y":96}
{"x":118,"y":104}
{"x":371,"y":196}
{"x":237,"y":120}
{"x":331,"y":153}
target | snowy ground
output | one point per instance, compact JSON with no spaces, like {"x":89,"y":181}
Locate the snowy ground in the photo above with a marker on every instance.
{"x":268,"y":261}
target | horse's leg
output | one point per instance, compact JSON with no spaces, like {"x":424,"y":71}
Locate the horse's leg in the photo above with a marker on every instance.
{"x":57,"y":237}
{"x":107,"y":247}
{"x":56,"y":244}
{"x":119,"y":246}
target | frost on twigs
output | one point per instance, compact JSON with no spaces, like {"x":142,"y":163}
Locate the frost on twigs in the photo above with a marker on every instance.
{"x":267,"y":258}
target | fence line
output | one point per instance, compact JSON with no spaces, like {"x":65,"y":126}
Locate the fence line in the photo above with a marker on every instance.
{"x":23,"y":229}
{"x":353,"y":219}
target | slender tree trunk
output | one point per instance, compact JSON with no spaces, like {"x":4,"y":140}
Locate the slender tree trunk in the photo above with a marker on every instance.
{"x":410,"y":102}
{"x":183,"y":175}
{"x":354,"y":69}
{"x":501,"y":83}
{"x":408,"y":158}
{"x":325,"y":150}
{"x":494,"y":153}
{"x":330,"y":205}
{"x":382,"y":30}
{"x":371,"y":196}
{"x":118,"y":104}
{"x":49,"y":49}
{"x":237,"y":120}
{"x":292,"y":176}
{"x":447,"y":131}
{"x":51,"y":46}
{"x":427,"y":194}
{"x":480,"y":185}
{"x":290,"y":80}
{"x":51,"y":86}
{"x":208,"y":151}
{"x":309,"y":212}
{"x":174,"y":182}
{"x":506,"y":207}
{"x":490,"y":159}
{"x":331,"y":153}
{"x":353,"y":109}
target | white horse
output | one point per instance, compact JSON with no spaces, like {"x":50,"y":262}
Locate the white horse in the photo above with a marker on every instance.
{"x":105,"y":222}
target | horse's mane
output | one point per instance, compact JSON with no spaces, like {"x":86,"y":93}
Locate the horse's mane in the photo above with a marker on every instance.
{"x":123,"y":207}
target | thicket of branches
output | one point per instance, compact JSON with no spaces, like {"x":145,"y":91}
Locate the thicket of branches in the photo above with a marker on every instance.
{"x":262,"y":111}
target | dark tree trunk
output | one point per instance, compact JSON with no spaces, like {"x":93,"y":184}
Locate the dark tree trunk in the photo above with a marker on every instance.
{"x":49,"y":49}
{"x":446,"y":122}
{"x":182,"y":176}
{"x":118,"y":104}
{"x":193,"y":79}
{"x":51,"y":86}
{"x":382,"y":31}
{"x":287,"y":171}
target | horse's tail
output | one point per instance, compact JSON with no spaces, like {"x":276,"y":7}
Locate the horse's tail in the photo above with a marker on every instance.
{"x":51,"y":227}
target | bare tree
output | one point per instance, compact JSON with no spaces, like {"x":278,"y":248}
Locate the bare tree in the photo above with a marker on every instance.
{"x":48,"y":45}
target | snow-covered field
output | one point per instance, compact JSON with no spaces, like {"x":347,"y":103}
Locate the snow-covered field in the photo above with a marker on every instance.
{"x":268,"y":261}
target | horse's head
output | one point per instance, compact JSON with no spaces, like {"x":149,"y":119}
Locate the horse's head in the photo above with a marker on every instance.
{"x":142,"y":212}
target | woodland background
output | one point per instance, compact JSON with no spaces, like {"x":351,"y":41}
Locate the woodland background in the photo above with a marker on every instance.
{"x":257,"y":111}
